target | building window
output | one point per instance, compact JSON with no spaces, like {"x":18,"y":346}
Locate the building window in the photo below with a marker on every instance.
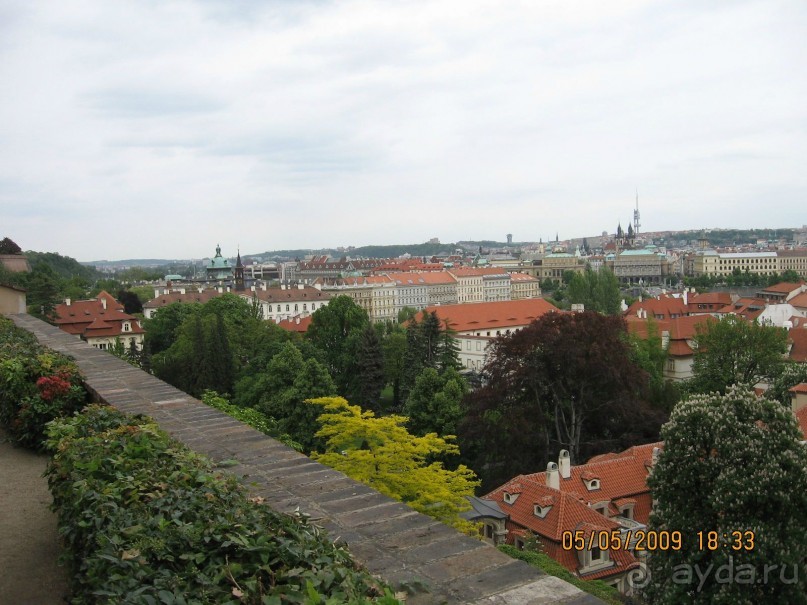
{"x":287,"y":307}
{"x":126,"y":327}
{"x":478,"y":346}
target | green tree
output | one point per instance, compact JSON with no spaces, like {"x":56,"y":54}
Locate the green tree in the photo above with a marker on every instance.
{"x":735,"y":351}
{"x":336,"y":330}
{"x":281,"y":391}
{"x":433,"y":405}
{"x":381,"y":453}
{"x":43,"y":291}
{"x":598,"y":291}
{"x":371,"y":369}
{"x":650,"y":354}
{"x":394,"y":347}
{"x":792,"y":373}
{"x":566,"y":381}
{"x":730,"y":463}
{"x":162,"y":330}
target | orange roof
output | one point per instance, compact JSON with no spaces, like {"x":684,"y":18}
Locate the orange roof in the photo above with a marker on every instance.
{"x":90,"y":318}
{"x":749,"y":308}
{"x":492,"y":315}
{"x":271,"y":295}
{"x":522,"y":277}
{"x":429,"y":278}
{"x":566,"y":514}
{"x":710,"y":298}
{"x":663,"y":307}
{"x":296,"y":324}
{"x":799,"y":388}
{"x":476,"y":271}
{"x":189,"y":297}
{"x":800,"y":300}
{"x":798,"y":340}
{"x":784,"y":287}
{"x":801,"y":418}
{"x":681,"y":331}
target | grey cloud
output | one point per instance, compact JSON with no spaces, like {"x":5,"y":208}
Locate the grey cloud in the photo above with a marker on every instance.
{"x":123,"y":103}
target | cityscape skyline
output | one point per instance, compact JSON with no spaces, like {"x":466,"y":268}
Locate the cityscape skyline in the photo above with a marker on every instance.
{"x":157,"y":130}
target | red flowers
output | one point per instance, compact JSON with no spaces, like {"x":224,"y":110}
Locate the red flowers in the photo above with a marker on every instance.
{"x":53,"y":386}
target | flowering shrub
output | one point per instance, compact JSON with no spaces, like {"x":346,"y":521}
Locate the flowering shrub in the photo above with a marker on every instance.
{"x":36,"y":386}
{"x":145,"y":520}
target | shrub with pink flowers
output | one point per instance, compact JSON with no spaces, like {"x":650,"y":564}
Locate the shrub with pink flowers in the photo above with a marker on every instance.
{"x":36,"y":386}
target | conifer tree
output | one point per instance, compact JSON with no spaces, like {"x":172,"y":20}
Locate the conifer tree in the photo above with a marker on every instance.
{"x":371,"y":370}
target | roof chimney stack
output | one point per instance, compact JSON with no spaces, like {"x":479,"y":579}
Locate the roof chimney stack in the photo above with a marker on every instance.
{"x":103,"y":302}
{"x":565,"y":464}
{"x":552,"y":479}
{"x":67,"y":301}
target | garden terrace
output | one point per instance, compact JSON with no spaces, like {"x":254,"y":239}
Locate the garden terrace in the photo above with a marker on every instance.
{"x":431,"y":561}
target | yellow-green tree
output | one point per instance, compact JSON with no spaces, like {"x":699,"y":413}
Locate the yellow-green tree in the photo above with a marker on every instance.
{"x":381,"y":453}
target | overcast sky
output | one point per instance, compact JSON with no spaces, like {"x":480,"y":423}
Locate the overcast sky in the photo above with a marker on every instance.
{"x":158,"y":128}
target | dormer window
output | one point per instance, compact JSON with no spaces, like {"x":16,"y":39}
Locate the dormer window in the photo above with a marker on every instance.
{"x":592,"y":484}
{"x":126,"y":327}
{"x":510,"y":498}
{"x":542,"y":511}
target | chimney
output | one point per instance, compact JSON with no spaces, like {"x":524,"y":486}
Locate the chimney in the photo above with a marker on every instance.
{"x":252,"y":288}
{"x":220,"y":289}
{"x":685,"y":297}
{"x":565,"y":464}
{"x":156,"y":293}
{"x":182,"y":290}
{"x":300,"y":286}
{"x":282,"y":286}
{"x":655,"y":455}
{"x":67,"y":301}
{"x":103,"y":302}
{"x":263,"y":286}
{"x":552,"y":479}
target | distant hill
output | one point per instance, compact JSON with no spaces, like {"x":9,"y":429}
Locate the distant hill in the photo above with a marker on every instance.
{"x":65,"y":267}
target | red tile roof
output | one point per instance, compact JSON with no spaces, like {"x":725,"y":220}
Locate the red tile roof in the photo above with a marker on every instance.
{"x":622,"y":483}
{"x":485,"y":316}
{"x":523,"y":277}
{"x":749,"y":308}
{"x":272,"y":295}
{"x":799,"y":388}
{"x":429,"y":278}
{"x":91,"y":318}
{"x":801,"y":418}
{"x":296,"y":324}
{"x":163,"y":300}
{"x":798,"y":340}
{"x":663,"y":307}
{"x":783,"y":288}
{"x":800,"y":300}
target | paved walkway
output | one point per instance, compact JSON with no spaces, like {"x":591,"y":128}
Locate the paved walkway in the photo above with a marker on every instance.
{"x":29,"y":547}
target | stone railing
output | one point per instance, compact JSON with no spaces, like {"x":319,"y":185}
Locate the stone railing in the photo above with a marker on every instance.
{"x":432,"y":561}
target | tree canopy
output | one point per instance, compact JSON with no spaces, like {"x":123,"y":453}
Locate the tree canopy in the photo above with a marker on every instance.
{"x":730,"y":463}
{"x":597,"y":290}
{"x":566,"y":381}
{"x":735,"y":351}
{"x":383,"y":454}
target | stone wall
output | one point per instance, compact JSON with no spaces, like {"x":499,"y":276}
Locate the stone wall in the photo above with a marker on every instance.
{"x":435,"y":563}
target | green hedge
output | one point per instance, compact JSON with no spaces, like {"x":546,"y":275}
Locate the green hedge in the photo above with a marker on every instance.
{"x":36,"y":386}
{"x":145,"y":520}
{"x":598,"y":588}
{"x":257,"y":420}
